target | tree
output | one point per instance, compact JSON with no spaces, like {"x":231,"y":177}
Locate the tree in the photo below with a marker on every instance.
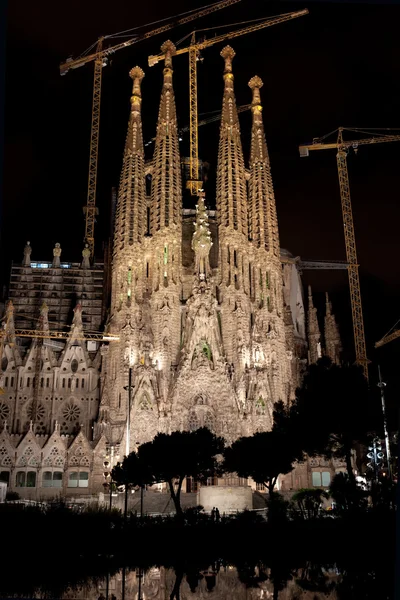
{"x":131,"y":473}
{"x":172,"y":458}
{"x":331,"y":413}
{"x":263,"y":457}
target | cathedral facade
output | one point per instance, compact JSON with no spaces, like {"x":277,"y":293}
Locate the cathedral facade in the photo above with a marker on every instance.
{"x":207,"y":308}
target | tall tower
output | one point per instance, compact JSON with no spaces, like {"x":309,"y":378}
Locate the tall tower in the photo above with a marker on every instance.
{"x":270,"y":356}
{"x":166,"y":227}
{"x":128,"y":276}
{"x":234,"y":285}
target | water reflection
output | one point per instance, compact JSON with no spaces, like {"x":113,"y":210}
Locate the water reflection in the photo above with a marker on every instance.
{"x":216,"y":583}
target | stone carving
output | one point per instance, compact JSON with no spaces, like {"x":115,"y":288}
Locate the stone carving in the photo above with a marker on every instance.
{"x":27,"y":255}
{"x":56,"y":255}
{"x":85,"y":264}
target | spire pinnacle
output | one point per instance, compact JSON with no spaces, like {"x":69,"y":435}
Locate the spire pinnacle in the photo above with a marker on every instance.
{"x":231,"y":175}
{"x":263,"y":217}
{"x":131,"y":205}
{"x":166,"y":189}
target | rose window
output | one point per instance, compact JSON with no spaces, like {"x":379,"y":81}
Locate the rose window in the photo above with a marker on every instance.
{"x":71,"y":412}
{"x":4,"y":411}
{"x":40,"y":412}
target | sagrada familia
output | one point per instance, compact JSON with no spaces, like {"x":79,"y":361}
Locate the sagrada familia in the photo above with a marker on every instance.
{"x":207,"y":308}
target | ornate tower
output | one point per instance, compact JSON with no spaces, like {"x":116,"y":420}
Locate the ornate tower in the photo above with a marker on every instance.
{"x":234,"y":285}
{"x":333,"y":344}
{"x":166,"y":227}
{"x":271,"y":353}
{"x":128,"y":275}
{"x":313,"y":332}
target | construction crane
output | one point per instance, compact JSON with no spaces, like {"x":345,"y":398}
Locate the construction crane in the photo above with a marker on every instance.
{"x":194,"y":184}
{"x":389,"y":337}
{"x":342,"y":146}
{"x":100,"y":59}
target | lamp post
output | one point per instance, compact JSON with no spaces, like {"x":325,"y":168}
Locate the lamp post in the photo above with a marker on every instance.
{"x":108,"y":463}
{"x":128,"y":415}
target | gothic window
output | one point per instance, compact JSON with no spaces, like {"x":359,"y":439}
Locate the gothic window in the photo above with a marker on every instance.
{"x":4,"y":412}
{"x":209,"y":421}
{"x":74,"y":365}
{"x":6,"y":382}
{"x":25,"y":479}
{"x":12,"y":382}
{"x":4,"y":363}
{"x":47,"y":382}
{"x":40,"y":411}
{"x":52,"y":479}
{"x":78,"y":479}
{"x":194,"y":422}
{"x":54,"y":459}
{"x":5,"y":459}
{"x":71,"y":412}
{"x":28,"y":382}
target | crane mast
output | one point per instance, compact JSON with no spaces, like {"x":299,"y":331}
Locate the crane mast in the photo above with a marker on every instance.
{"x":194,"y":184}
{"x":100,"y":60}
{"x":342,"y":148}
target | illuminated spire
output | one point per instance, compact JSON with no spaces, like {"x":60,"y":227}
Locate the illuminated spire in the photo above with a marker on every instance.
{"x":231,"y":175}
{"x":262,"y":208}
{"x":333,"y":344}
{"x":166,"y":189}
{"x":314,"y":335}
{"x":131,"y":207}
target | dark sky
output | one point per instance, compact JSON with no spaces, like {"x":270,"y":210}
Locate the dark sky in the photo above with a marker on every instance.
{"x":338,"y":66}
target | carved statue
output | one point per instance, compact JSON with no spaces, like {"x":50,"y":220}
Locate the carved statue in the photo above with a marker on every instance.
{"x":56,"y":255}
{"x":27,"y":255}
{"x":201,"y":241}
{"x":85,"y":264}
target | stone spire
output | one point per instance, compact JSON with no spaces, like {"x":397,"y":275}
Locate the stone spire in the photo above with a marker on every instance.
{"x":263,"y":222}
{"x":231,"y":175}
{"x":131,"y":207}
{"x":166,"y":189}
{"x":333,"y":344}
{"x":314,"y":335}
{"x":201,"y":240}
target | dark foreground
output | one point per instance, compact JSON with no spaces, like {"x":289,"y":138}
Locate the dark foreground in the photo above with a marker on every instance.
{"x":50,"y":550}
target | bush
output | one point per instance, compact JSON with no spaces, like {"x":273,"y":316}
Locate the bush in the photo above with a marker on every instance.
{"x":10,"y":496}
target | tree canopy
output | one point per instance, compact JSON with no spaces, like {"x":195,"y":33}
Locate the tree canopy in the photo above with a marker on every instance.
{"x":172,"y":458}
{"x":263,"y":457}
{"x":331,"y":413}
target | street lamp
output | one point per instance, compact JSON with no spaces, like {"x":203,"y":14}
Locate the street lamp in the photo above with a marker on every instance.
{"x":108,"y":463}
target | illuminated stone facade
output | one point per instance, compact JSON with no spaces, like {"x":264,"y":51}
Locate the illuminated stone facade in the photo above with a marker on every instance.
{"x":208,"y":309}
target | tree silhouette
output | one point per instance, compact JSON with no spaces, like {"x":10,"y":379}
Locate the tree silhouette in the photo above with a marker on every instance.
{"x":331,"y":413}
{"x":263,"y":457}
{"x":172,"y":458}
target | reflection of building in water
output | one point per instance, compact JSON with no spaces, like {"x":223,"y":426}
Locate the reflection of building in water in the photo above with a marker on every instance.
{"x":223,"y":584}
{"x":208,"y":308}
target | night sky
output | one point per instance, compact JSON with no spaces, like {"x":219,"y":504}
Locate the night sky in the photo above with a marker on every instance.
{"x":338,"y":66}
